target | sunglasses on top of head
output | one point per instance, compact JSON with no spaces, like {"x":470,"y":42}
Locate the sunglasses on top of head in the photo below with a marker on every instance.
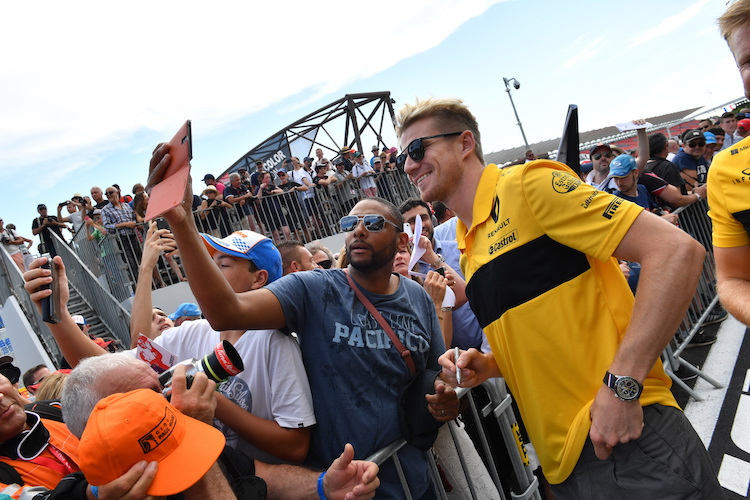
{"x":373,"y":222}
{"x":415,"y":149}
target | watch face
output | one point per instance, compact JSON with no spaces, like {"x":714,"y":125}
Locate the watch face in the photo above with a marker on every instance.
{"x":627,"y":388}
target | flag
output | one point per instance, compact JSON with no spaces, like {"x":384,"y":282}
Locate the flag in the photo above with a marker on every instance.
{"x":567,"y":151}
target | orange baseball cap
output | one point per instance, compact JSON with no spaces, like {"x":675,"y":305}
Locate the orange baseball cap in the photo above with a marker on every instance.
{"x":124,"y":429}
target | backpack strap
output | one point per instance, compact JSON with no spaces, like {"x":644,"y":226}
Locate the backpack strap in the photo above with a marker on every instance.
{"x":405,"y":353}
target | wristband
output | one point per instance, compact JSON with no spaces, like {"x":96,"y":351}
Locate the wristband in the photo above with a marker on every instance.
{"x":321,"y":493}
{"x":697,"y":195}
{"x":94,"y":490}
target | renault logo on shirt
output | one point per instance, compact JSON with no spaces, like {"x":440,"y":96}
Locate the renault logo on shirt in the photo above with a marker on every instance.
{"x":495,"y":213}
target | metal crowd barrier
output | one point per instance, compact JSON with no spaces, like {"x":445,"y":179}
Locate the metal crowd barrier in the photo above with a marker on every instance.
{"x":526,"y":484}
{"x":109,"y":310}
{"x":115,"y":259}
{"x":695,"y":221}
{"x":11,"y":284}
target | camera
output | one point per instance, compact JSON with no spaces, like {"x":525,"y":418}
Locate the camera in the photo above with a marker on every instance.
{"x":218,"y":365}
{"x":516,"y":85}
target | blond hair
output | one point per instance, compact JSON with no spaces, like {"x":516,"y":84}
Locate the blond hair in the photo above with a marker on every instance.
{"x":51,"y":387}
{"x":736,"y":15}
{"x":450,"y":114}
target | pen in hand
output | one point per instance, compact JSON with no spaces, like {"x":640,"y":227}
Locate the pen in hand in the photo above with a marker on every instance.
{"x":456,"y":354}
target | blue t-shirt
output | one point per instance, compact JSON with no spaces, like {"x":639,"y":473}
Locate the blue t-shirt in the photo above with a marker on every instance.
{"x":355,"y":372}
{"x":685,"y":161}
{"x":643,"y":199}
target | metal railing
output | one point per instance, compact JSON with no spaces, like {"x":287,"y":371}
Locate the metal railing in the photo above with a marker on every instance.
{"x":109,"y":310}
{"x":11,"y":284}
{"x":525,"y":484}
{"x":695,"y":221}
{"x":114,"y":258}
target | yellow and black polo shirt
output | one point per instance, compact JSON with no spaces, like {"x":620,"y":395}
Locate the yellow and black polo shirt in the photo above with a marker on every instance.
{"x":729,"y":195}
{"x":553,"y":302}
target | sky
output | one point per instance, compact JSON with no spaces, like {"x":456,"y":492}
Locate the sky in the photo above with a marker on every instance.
{"x":89,"y":88}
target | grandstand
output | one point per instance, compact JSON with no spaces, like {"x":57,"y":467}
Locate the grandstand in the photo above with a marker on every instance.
{"x":671,"y":125}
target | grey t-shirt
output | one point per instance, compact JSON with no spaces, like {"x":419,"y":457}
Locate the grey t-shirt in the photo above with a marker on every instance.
{"x":355,"y":372}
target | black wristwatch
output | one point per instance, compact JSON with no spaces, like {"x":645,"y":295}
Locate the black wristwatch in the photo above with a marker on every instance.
{"x":625,"y":388}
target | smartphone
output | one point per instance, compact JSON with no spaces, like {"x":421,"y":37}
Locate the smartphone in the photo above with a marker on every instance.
{"x":170,"y":192}
{"x":51,"y":305}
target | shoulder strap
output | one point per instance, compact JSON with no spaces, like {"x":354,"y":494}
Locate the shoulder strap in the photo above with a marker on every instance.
{"x":405,"y":353}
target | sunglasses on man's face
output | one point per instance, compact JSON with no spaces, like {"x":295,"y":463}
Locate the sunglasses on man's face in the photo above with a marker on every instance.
{"x":325,"y":264}
{"x":110,"y":192}
{"x":696,"y":144}
{"x":598,"y":156}
{"x":373,"y":223}
{"x":415,"y":149}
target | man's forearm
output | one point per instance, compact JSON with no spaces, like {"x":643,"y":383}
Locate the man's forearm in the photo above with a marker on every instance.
{"x":212,"y":291}
{"x":735,"y":296}
{"x":212,"y":486}
{"x":288,"y":482}
{"x":657,"y":314}
{"x":140,"y":317}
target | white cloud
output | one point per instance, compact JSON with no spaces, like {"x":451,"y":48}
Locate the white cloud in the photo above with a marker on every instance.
{"x":585,"y":53}
{"x":670,"y":24}
{"x":86,"y":76}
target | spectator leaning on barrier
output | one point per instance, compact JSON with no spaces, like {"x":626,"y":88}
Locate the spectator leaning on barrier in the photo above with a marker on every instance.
{"x":118,"y":218}
{"x":537,"y":243}
{"x":729,"y":185}
{"x":624,"y":171}
{"x":338,"y":351}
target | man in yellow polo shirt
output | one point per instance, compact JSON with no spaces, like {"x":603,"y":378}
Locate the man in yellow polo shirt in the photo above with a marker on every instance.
{"x":578,"y":351}
{"x":729,"y":185}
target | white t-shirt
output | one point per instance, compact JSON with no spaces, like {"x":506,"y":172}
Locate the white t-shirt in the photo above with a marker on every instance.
{"x":366,"y":181}
{"x":297,"y":176}
{"x":274,"y":385}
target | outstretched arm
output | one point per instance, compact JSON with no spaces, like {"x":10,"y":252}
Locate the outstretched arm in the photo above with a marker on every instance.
{"x":74,"y":344}
{"x":224,"y":309}
{"x":157,"y":241}
{"x":345,"y":479}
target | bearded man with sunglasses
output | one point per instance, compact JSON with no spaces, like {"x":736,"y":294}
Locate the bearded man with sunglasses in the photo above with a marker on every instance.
{"x":356,"y":373}
{"x":579,"y":354}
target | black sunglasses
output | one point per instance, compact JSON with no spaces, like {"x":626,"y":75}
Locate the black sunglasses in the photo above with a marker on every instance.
{"x":110,"y":192}
{"x":373,"y":223}
{"x":598,"y":156}
{"x":696,"y":144}
{"x":415,"y":149}
{"x":325,"y":264}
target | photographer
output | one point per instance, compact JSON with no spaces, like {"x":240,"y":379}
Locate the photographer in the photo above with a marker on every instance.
{"x":42,"y":225}
{"x":76,"y":212}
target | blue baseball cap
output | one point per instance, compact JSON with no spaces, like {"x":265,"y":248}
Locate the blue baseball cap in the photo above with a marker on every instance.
{"x":251,"y":246}
{"x":622,"y":166}
{"x":710,"y":137}
{"x":186,"y":309}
